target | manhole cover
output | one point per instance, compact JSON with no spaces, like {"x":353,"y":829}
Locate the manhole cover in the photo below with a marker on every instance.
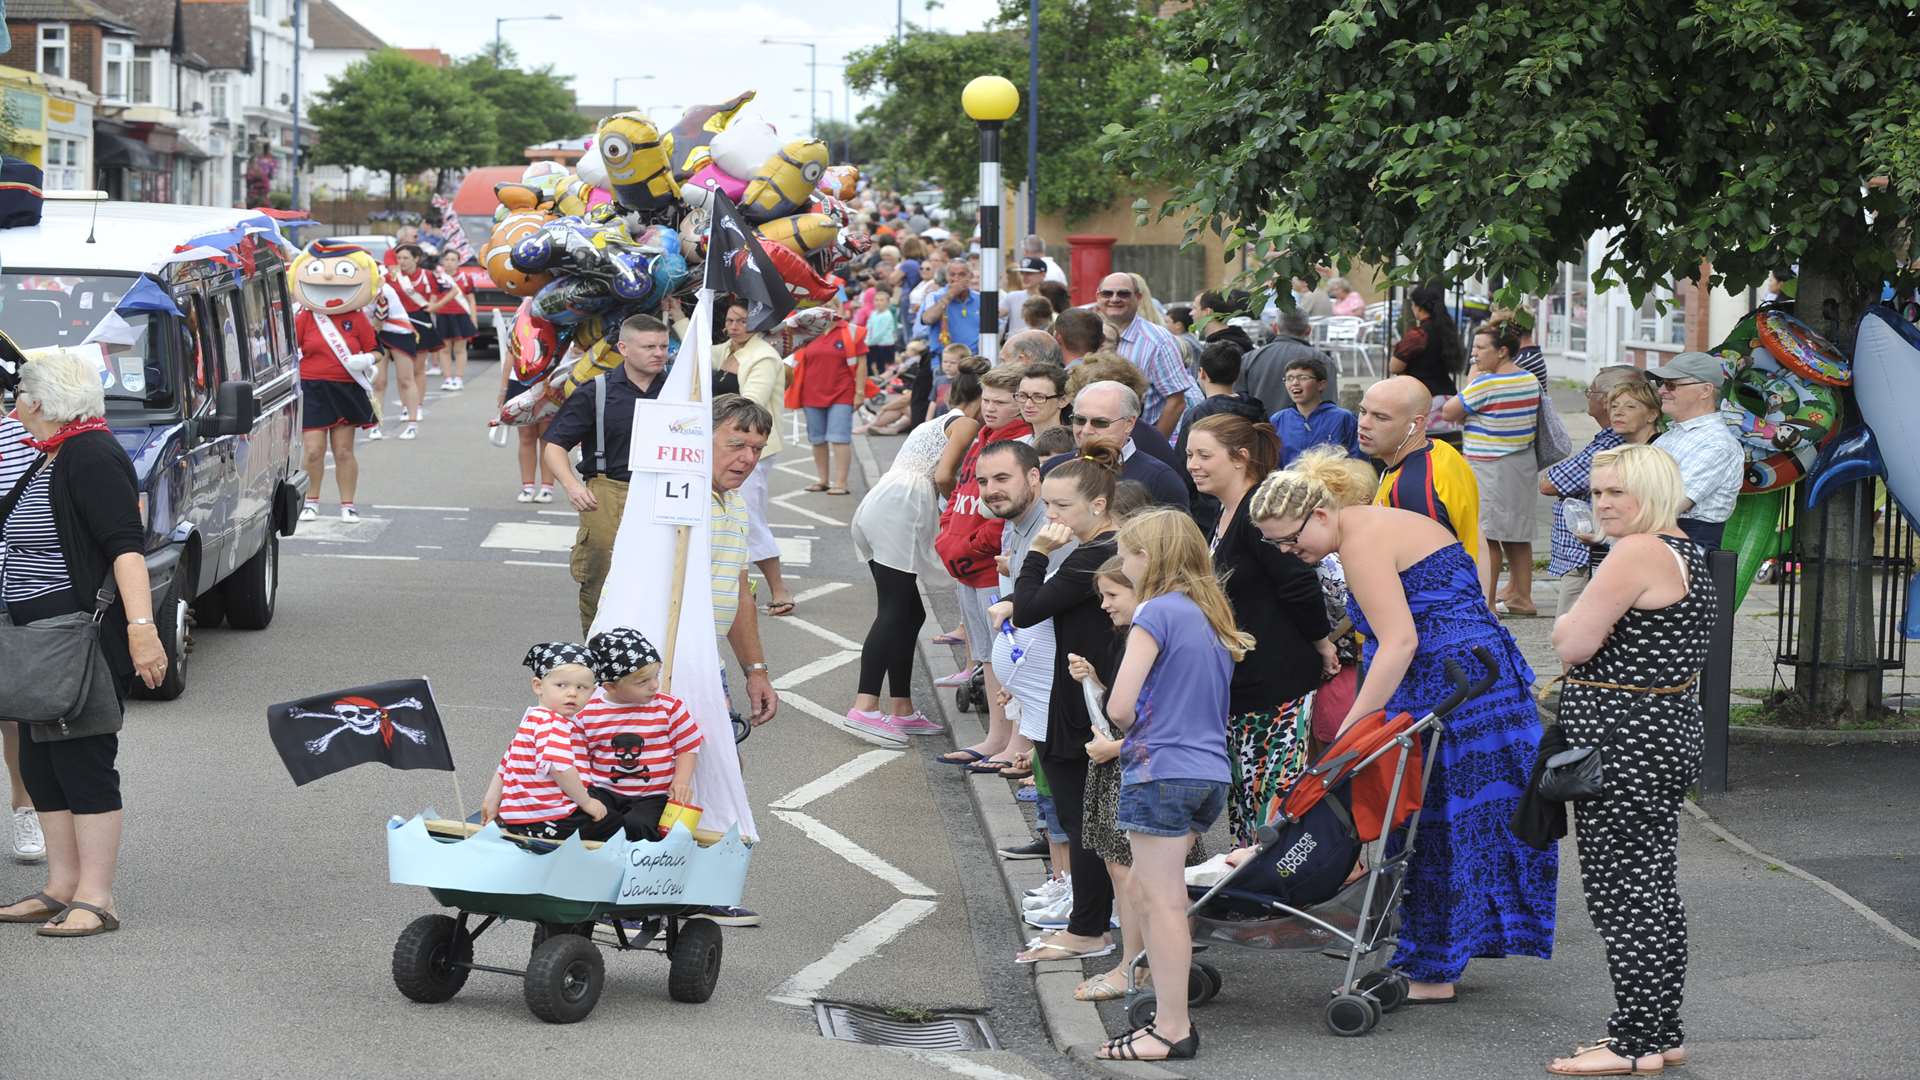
{"x":940,"y":1031}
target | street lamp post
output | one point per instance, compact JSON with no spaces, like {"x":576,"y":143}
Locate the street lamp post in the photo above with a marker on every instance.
{"x":829,"y":94}
{"x":514,"y":18}
{"x":990,"y":100}
{"x":625,"y":78}
{"x":813,"y":79}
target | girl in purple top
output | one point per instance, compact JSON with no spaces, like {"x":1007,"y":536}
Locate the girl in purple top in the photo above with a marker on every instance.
{"x":1171,"y":696}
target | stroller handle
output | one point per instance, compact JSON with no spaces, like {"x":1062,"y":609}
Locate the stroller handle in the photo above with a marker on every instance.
{"x":1461,"y":689}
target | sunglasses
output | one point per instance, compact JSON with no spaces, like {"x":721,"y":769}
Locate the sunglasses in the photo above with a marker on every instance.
{"x":1116,"y":294}
{"x":1668,"y":386}
{"x":1097,"y":423}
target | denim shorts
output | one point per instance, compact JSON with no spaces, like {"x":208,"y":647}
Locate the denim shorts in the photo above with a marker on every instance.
{"x":1049,"y":819}
{"x":1171,"y":807}
{"x":830,"y":424}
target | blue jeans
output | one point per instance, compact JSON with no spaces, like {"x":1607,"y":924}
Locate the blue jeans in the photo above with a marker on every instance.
{"x":1171,"y":807}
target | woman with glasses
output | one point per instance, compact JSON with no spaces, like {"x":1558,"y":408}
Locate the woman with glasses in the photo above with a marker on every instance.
{"x":1473,"y":888}
{"x":1042,"y":397}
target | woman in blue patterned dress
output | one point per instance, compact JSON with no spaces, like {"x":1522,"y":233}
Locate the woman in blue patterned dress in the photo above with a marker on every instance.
{"x":1473,"y":889}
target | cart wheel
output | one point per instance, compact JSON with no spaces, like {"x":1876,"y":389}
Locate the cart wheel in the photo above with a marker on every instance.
{"x":695,"y":960}
{"x":424,"y":959}
{"x":1349,"y":1015}
{"x":1206,"y":978}
{"x":1142,"y":1009}
{"x":1389,"y":988}
{"x":564,"y":978}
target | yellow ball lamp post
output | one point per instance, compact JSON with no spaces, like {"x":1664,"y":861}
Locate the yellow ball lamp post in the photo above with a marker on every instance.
{"x":990,"y":100}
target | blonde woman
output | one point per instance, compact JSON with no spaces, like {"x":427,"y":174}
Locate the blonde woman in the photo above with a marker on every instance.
{"x":1634,"y":645}
{"x":1473,"y":888}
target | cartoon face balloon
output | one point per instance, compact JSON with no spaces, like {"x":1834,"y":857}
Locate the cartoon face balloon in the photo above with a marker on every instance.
{"x":639,"y":163}
{"x":334,"y":278}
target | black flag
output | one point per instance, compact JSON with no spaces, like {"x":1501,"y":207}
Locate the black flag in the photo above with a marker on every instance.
{"x":392,"y":723}
{"x":737,"y":264}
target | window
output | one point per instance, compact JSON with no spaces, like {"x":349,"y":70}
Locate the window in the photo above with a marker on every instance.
{"x":217,"y":96}
{"x":54,"y":47}
{"x":232,"y":336}
{"x":113,"y":81}
{"x":263,"y":339}
{"x":63,"y":163}
{"x":143,"y":82}
{"x":1662,"y":318}
{"x":202,"y":356}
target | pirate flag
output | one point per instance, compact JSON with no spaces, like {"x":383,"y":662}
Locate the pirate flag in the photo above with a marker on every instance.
{"x":737,"y":264}
{"x":392,"y":723}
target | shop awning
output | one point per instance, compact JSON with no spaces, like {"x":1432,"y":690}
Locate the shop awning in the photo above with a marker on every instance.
{"x":118,"y":151}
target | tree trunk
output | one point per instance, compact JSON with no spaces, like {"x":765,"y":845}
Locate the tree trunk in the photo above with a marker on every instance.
{"x":1839,"y":670}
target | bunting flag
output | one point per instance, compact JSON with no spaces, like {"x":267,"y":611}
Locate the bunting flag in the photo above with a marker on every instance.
{"x":146,"y":297}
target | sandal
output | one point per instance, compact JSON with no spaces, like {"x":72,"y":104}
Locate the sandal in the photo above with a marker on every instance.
{"x":54,"y":907}
{"x":815,"y":488}
{"x":990,"y":765}
{"x":780,"y":608}
{"x":968,"y":756}
{"x":1121,"y":1048}
{"x":1040,"y":949}
{"x":1099,"y":988}
{"x":108,"y":923}
{"x":1631,"y":1068}
{"x":838,"y":491}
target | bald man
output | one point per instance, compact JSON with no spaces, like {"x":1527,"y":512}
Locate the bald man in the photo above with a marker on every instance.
{"x":1031,"y":347}
{"x":1422,"y":474}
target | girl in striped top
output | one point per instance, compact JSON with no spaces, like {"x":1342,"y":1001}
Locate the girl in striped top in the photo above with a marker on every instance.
{"x":1501,"y":410}
{"x":540,"y":786}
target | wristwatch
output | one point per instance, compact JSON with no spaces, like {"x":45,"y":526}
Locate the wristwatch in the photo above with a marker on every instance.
{"x":751,"y":668}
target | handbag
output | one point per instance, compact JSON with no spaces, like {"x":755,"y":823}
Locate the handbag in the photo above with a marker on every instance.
{"x":1573,"y":775}
{"x":1551,"y":443}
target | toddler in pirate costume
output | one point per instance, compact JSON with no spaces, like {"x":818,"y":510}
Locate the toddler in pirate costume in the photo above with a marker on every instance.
{"x":639,"y":742}
{"x":540,"y":788}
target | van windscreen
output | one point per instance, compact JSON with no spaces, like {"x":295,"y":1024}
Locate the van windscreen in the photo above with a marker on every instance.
{"x":42,"y":311}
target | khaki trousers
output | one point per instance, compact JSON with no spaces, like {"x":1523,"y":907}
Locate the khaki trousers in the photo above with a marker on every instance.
{"x":593,"y":545}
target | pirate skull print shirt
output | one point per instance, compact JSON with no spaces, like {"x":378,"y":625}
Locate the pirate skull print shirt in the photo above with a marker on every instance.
{"x":632,"y":748}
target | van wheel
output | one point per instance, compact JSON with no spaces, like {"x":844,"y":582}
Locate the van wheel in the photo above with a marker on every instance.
{"x":176,"y":637}
{"x":250,"y":592}
{"x":210,"y":608}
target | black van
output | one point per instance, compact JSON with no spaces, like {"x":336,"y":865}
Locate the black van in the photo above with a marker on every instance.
{"x":205,"y":397}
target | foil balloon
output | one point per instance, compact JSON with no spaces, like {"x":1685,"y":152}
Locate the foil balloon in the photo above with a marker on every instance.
{"x":698,"y":128}
{"x":801,"y":279}
{"x":802,"y":234}
{"x":840,"y":181}
{"x":800,"y":328}
{"x":566,"y":301}
{"x":497,"y":256}
{"x":783,"y":183}
{"x":745,"y":145}
{"x":533,"y":345}
{"x":1855,"y":455}
{"x":637,"y":159}
{"x":711,"y":176}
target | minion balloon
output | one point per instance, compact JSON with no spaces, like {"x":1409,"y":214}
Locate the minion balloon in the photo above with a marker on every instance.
{"x":784,"y":183}
{"x":639,"y":164}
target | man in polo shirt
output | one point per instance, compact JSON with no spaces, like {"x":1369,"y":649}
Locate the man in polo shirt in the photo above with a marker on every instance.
{"x":1710,"y":458}
{"x":1109,"y":413}
{"x":952,"y":315}
{"x":598,"y":418}
{"x":1422,"y":475}
{"x":1170,"y":386}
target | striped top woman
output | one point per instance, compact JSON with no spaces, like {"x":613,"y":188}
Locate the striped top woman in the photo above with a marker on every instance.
{"x":1500,"y":408}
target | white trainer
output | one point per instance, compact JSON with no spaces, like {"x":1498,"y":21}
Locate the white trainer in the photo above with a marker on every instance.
{"x":411,"y":431}
{"x":348,"y":513}
{"x":29,"y":844}
{"x":309,"y":511}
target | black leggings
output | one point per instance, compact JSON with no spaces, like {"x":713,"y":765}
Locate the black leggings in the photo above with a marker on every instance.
{"x":1092,"y":888}
{"x":922,"y":388}
{"x":890,"y":640}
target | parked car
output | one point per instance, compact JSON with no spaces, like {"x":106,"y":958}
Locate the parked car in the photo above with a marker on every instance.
{"x":206,"y":400}
{"x":474,"y":204}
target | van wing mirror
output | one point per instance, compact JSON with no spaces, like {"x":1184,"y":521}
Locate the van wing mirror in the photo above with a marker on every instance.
{"x":234,"y":410}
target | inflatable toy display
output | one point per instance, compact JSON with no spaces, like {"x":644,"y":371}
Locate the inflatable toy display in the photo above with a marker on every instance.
{"x":1886,"y":383}
{"x":1781,"y":414}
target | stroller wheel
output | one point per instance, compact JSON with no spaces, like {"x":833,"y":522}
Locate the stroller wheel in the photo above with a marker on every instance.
{"x":1349,"y":1015}
{"x":1388,"y":987}
{"x":1142,"y":1009}
{"x":1203,"y":983}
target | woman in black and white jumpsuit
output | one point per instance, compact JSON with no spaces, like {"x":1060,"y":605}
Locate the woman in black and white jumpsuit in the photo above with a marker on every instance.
{"x":1635,"y":653}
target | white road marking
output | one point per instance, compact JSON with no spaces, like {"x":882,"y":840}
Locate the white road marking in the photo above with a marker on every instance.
{"x":863,"y":942}
{"x":372,"y":558}
{"x":559,"y":513}
{"x":820,"y":632}
{"x":866,"y":860}
{"x":803,"y":470}
{"x":321,"y":530}
{"x":837,"y":721}
{"x":781,"y":502}
{"x":784,"y":525}
{"x":819,"y":591}
{"x":441,"y":509}
{"x":826,"y":785}
{"x":523,"y":537}
{"x":524,"y":562}
{"x":958,"y":1063}
{"x":453,"y":519}
{"x":428,"y":547}
{"x":797,"y":550}
{"x":809,"y":671}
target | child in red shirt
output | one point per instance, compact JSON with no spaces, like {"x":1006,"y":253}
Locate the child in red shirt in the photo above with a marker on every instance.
{"x":539,"y":788}
{"x":640,"y":742}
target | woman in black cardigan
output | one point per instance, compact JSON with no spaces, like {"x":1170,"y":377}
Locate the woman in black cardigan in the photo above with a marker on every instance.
{"x":1276,"y":598}
{"x":1077,"y":495}
{"x":70,"y":524}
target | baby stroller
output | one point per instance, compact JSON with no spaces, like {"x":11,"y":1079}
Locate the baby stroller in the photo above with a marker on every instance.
{"x":1293,"y":893}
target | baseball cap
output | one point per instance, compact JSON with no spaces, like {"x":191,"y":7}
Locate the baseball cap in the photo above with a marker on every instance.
{"x":1698,"y":366}
{"x":1033,"y":265}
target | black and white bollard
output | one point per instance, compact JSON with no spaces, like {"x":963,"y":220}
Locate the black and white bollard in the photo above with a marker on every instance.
{"x":990,"y":100}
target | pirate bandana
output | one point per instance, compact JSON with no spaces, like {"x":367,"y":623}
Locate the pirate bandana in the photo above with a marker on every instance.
{"x":545,"y":657}
{"x":619,"y":652}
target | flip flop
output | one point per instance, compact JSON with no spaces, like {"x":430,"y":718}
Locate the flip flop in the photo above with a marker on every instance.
{"x":108,"y":923}
{"x":816,"y":488}
{"x":838,"y":491}
{"x":54,"y":907}
{"x":972,"y":756}
{"x":1031,"y":954}
{"x":948,"y":639}
{"x":1016,"y":774}
{"x":990,"y":765}
{"x":780,"y":608}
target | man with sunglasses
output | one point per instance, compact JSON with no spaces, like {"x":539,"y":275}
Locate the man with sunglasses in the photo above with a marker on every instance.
{"x":1170,"y":386}
{"x":1108,"y":413}
{"x":1711,"y":461}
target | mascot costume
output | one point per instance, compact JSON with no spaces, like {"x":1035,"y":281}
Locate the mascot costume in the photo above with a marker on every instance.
{"x":333,"y":284}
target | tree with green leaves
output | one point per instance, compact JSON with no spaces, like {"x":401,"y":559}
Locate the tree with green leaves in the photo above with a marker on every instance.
{"x":394,"y":114}
{"x":1099,"y":63}
{"x":529,"y":107}
{"x":1493,"y":138}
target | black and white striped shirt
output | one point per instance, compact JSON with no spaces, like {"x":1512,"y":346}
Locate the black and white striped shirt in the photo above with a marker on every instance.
{"x":34,"y":567}
{"x":16,"y":457}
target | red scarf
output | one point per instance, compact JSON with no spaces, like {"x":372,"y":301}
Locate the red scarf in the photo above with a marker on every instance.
{"x":68,"y":431}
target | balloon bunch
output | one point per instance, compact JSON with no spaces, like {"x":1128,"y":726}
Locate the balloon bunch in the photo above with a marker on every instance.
{"x":627,"y":231}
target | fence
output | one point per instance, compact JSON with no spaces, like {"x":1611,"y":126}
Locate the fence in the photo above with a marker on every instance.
{"x":1877,"y":605}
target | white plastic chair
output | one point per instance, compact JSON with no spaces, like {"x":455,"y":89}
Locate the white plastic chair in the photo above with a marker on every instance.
{"x":1345,"y":335}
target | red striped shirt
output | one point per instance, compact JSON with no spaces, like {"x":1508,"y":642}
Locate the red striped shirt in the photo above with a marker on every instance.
{"x":544,"y":741}
{"x":631,"y":748}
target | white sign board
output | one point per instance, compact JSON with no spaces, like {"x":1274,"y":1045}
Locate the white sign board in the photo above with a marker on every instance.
{"x":671,"y":436}
{"x":678,"y":499}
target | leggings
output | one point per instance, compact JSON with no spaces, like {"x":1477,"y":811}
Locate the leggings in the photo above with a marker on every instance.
{"x":1092,"y":888}
{"x":888,"y":649}
{"x":922,"y":388}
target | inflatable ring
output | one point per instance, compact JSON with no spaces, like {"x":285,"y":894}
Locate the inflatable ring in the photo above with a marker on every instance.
{"x":1781,"y":418}
{"x":1803,"y":351}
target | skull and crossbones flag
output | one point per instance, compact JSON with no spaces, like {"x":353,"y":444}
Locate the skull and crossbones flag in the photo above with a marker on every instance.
{"x":392,"y":723}
{"x":737,"y":264}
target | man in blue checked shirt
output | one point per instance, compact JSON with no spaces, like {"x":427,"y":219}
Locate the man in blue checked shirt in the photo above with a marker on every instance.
{"x":1572,"y":560}
{"x":1152,"y":349}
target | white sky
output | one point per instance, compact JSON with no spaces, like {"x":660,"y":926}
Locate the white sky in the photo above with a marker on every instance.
{"x":697,"y":53}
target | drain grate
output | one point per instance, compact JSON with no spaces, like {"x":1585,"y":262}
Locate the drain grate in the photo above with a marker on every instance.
{"x":941,"y":1031}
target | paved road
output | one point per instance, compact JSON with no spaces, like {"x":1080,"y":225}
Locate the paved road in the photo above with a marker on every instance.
{"x":259,"y":920}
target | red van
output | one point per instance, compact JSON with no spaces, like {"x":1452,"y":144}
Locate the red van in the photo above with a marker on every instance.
{"x":473,"y":204}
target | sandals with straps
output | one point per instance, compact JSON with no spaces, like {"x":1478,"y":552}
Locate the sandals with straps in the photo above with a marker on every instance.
{"x":1121,"y":1048}
{"x":53,"y":907}
{"x":108,"y":923}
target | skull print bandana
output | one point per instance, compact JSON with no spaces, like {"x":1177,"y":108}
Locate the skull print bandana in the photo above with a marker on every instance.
{"x":543,"y":658}
{"x":620,"y":652}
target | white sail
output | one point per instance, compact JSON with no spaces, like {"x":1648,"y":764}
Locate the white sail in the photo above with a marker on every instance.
{"x":640,"y":585}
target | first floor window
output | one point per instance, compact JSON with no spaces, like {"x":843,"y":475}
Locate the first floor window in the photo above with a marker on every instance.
{"x":53,"y":50}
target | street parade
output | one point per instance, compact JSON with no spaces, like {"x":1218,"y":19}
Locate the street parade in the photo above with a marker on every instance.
{"x":1137,"y":518}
